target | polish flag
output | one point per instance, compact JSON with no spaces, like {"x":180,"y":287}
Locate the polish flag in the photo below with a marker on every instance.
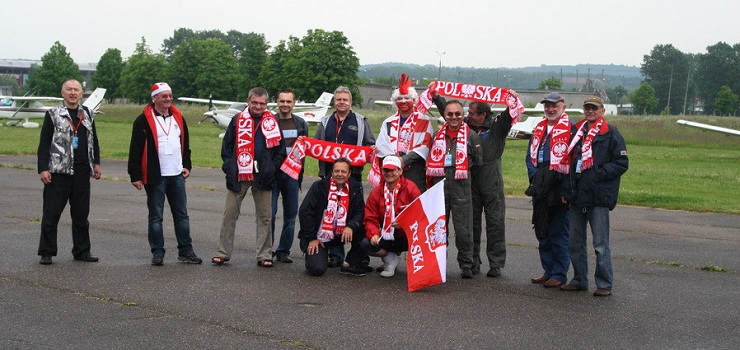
{"x":426,"y":230}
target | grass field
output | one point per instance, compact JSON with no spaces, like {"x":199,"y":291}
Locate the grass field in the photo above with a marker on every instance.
{"x":671,"y":166}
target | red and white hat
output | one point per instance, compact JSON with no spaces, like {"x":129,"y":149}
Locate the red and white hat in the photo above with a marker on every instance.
{"x":160,"y":87}
{"x":392,"y":162}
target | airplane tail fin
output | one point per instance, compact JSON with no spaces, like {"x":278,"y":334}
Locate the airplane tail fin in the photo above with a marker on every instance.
{"x":96,"y":98}
{"x":324,"y":100}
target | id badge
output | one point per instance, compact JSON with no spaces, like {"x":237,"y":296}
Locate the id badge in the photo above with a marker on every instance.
{"x":290,"y":134}
{"x":578,"y":167}
{"x":448,"y":159}
{"x":541,"y":156}
{"x":75,"y":142}
{"x":167,"y":148}
{"x":288,"y":149}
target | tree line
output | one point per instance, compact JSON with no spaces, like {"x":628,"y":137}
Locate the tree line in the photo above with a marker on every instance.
{"x":682,"y":83}
{"x":212,"y":63}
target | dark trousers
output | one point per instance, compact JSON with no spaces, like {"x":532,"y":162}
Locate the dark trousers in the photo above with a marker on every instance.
{"x":317,"y":264}
{"x":74,"y":189}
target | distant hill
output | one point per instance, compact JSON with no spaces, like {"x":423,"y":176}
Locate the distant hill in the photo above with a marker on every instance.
{"x":574,"y":77}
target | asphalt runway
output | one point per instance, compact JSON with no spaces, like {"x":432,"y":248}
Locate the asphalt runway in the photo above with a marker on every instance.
{"x":661,"y":298}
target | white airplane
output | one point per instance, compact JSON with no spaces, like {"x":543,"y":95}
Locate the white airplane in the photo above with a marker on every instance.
{"x":19,"y":109}
{"x":310,"y":112}
{"x":520,"y":130}
{"x":709,"y":127}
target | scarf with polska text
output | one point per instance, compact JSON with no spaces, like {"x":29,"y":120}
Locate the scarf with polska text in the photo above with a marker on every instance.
{"x":335,"y":214}
{"x":587,"y":155}
{"x":245,"y":141}
{"x":390,"y":210}
{"x":324,"y":151}
{"x":436,"y":161}
{"x":479,"y":93}
{"x":559,"y":137}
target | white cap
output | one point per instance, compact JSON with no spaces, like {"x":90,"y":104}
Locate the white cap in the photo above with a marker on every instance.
{"x":392,"y":162}
{"x":160,"y":87}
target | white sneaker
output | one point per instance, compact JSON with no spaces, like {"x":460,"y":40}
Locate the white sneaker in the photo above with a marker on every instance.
{"x":391,"y":262}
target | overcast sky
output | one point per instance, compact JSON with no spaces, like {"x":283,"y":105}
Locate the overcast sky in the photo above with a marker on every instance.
{"x":483,"y":34}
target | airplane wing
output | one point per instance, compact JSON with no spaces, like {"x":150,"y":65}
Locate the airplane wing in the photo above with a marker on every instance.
{"x":35,"y":98}
{"x":709,"y":127}
{"x":205,"y":100}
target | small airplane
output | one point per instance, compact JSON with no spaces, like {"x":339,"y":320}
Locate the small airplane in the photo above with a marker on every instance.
{"x":709,"y":127}
{"x":520,"y":130}
{"x":310,"y":112}
{"x":19,"y":109}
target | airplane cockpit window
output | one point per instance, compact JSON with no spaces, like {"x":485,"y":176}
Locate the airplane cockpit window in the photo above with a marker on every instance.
{"x":239,"y":106}
{"x":6,"y":102}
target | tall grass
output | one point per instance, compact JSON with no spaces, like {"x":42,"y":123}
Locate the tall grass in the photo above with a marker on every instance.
{"x":671,"y":166}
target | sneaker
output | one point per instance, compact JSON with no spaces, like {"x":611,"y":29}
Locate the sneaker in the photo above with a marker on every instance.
{"x":283,"y":257}
{"x":45,"y":260}
{"x":390,"y":262}
{"x":494,"y":272}
{"x":334,"y":263}
{"x":367,"y":268}
{"x":466,"y":273}
{"x":352,"y":271}
{"x":190,"y":258}
{"x":158,"y":260}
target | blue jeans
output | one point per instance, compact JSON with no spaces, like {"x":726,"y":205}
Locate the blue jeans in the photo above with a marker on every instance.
{"x":173,"y":188}
{"x":288,"y":188}
{"x":554,"y":246}
{"x":598,"y":217}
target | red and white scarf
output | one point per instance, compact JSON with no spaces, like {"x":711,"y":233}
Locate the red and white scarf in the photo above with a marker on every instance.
{"x":390,"y":210}
{"x":559,"y":137}
{"x":436,"y":161}
{"x":335,"y":215}
{"x":245,"y":141}
{"x":324,"y":151}
{"x":403,"y":135}
{"x":480,"y":93}
{"x":600,"y":126}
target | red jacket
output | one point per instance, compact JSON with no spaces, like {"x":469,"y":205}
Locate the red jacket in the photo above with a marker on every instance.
{"x":375,"y":207}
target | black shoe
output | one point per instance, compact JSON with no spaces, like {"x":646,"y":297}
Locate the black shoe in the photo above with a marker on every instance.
{"x":158,"y":260}
{"x":87,"y":257}
{"x":494,"y":272}
{"x":367,"y":268}
{"x":190,"y":258}
{"x":466,"y":273}
{"x":353,"y":271}
{"x":284,"y":258}
{"x":45,"y":260}
{"x":334,"y":263}
{"x":475,"y":270}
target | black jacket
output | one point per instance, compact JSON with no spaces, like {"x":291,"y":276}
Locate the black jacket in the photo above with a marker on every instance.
{"x":598,"y":186}
{"x":312,"y":209}
{"x":268,"y":159}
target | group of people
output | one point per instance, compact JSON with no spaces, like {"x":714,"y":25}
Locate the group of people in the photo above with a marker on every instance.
{"x":574,"y":171}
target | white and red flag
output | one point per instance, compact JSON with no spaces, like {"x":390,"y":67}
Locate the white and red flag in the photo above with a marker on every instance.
{"x":426,"y":231}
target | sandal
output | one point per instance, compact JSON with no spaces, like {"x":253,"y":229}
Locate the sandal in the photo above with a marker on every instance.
{"x":219,"y":260}
{"x":265,"y":263}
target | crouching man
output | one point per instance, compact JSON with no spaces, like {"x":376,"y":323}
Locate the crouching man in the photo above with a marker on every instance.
{"x":331,"y":215}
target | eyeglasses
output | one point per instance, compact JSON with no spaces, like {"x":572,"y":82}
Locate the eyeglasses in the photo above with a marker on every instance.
{"x":591,"y":107}
{"x":453,"y":114}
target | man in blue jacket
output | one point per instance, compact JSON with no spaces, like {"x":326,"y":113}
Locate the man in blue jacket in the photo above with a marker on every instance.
{"x":598,"y":160}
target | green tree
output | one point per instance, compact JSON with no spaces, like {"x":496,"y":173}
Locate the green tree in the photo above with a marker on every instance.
{"x":321,"y":61}
{"x":272,"y":74}
{"x":200,"y":68}
{"x":720,"y":66}
{"x":9,"y":81}
{"x":250,"y":50}
{"x":666,"y":70}
{"x":56,"y":67}
{"x":182,"y":35}
{"x":726,"y":101}
{"x":617,"y":94}
{"x":108,"y":73}
{"x":141,"y":70}
{"x":644,"y":100}
{"x":551,"y":83}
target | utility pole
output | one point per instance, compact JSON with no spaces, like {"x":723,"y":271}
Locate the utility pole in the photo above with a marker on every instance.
{"x":670,"y":86}
{"x":439,"y":71}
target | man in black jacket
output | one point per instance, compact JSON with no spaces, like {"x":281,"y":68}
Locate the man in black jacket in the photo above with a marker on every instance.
{"x":252,"y":151}
{"x":599,"y":159}
{"x":331,"y":215}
